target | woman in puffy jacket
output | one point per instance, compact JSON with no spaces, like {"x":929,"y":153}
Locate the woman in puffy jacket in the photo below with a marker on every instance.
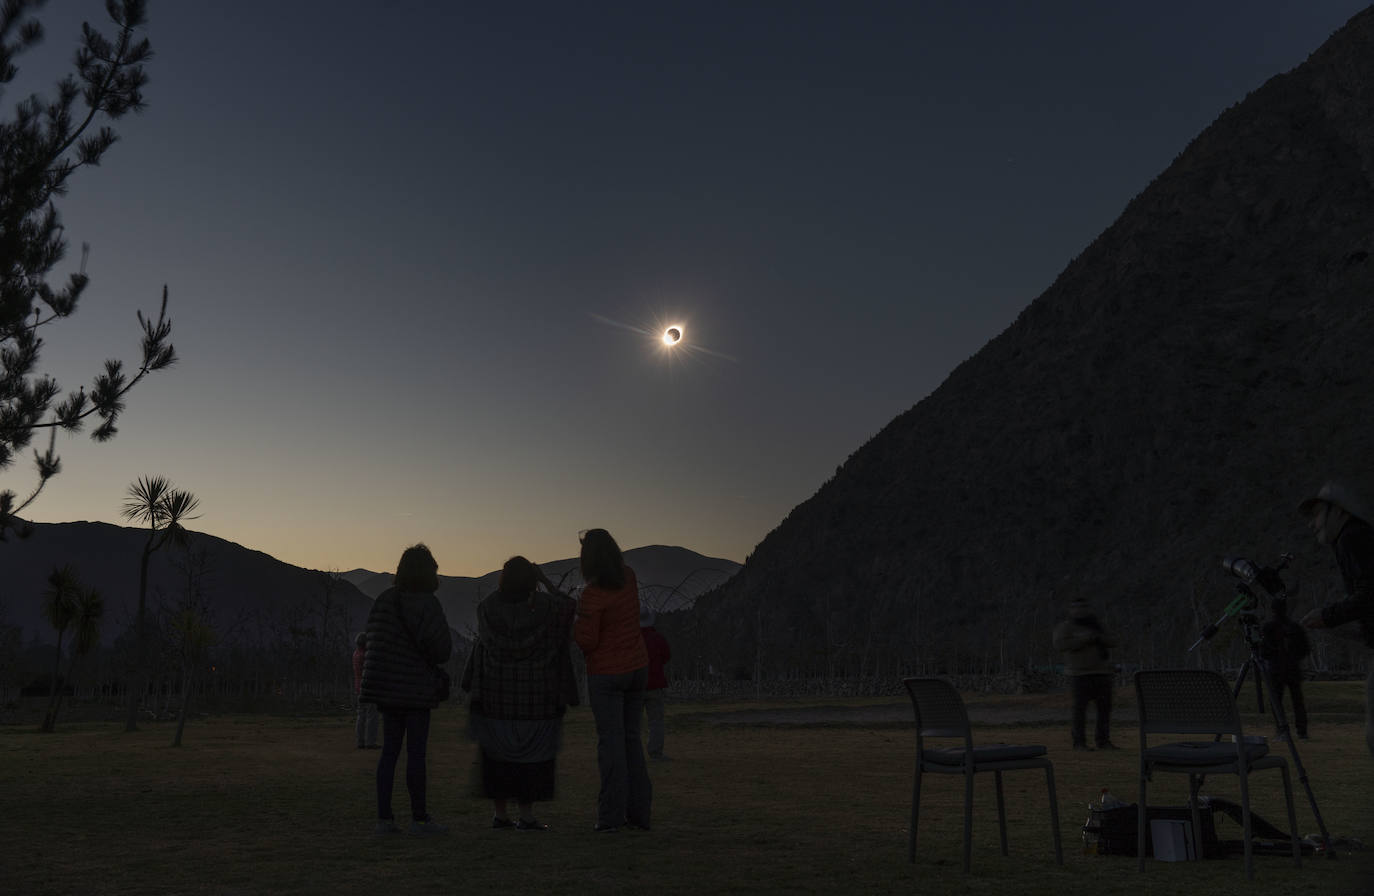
{"x":407,"y":637}
{"x":607,"y":630}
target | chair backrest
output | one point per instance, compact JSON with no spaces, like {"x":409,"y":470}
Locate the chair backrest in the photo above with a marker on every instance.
{"x":1185,"y":701}
{"x":939,"y":709}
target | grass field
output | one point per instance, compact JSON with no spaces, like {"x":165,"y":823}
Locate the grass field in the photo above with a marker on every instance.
{"x":271,"y":805}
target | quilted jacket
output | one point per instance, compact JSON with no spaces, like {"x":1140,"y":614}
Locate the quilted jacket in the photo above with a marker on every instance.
{"x":395,"y":673}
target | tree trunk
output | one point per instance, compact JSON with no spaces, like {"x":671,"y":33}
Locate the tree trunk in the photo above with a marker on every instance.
{"x":185,"y":702}
{"x":138,"y":681}
{"x":55,"y":693}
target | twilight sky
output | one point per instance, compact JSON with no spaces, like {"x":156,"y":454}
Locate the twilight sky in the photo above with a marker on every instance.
{"x":393,"y":233}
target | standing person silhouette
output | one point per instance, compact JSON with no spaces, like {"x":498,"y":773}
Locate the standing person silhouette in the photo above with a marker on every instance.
{"x":659,"y":655}
{"x":607,"y":630}
{"x":1084,"y":641}
{"x":407,"y":636}
{"x":366,"y":726}
{"x":521,"y":680}
{"x":1339,"y":518}
{"x":1283,"y":646}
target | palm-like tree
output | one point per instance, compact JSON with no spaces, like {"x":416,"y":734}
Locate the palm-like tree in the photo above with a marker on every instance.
{"x":154,"y":503}
{"x":87,"y":610}
{"x":59,"y":608}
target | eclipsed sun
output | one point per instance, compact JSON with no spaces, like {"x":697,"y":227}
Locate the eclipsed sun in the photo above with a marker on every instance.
{"x":672,"y":335}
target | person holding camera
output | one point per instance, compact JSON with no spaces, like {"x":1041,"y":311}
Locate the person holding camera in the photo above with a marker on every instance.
{"x":1084,"y":641}
{"x":1340,"y":519}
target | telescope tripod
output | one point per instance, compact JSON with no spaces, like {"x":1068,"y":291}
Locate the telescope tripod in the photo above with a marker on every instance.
{"x":1243,"y":608}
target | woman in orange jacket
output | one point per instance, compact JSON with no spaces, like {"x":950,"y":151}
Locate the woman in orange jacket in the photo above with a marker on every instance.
{"x":607,"y":630}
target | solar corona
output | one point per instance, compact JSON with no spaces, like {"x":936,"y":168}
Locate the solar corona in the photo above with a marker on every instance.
{"x":672,"y":335}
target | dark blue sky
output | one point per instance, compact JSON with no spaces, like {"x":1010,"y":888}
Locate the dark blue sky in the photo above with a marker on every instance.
{"x":387,"y":228}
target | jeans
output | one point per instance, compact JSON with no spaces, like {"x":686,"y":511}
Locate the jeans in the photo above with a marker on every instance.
{"x":1092,"y":689}
{"x":366,"y":726}
{"x":626,"y":793}
{"x":653,"y":710}
{"x":412,"y":726}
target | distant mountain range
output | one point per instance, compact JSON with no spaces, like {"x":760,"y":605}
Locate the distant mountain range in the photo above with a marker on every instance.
{"x":246,"y":589}
{"x":250,"y":590}
{"x":670,"y":578}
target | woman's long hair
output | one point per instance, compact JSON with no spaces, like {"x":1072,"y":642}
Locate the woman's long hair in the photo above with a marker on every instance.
{"x":417,"y":570}
{"x":517,"y":577}
{"x":602,"y":563}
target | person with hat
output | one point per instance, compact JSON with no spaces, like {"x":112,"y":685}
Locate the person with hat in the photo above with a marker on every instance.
{"x":1084,"y":641}
{"x":1340,"y":519}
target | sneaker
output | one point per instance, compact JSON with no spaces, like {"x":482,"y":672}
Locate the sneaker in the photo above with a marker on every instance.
{"x":636,"y":826}
{"x":1281,"y":738}
{"x":386,"y":826}
{"x":604,"y":828}
{"x":1107,"y":745}
{"x":499,"y":823}
{"x":659,"y":757}
{"x":362,"y":746}
{"x":428,"y":826}
{"x":530,"y":825}
{"x":1082,"y":747}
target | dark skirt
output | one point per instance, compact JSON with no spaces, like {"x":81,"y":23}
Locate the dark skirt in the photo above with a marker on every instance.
{"x":524,"y":782}
{"x":516,"y":760}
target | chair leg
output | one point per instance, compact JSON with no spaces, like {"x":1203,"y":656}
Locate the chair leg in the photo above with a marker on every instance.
{"x":1292,"y":818}
{"x":1246,"y":826}
{"x":915,"y":814}
{"x":1140,"y":819}
{"x":1054,"y":815}
{"x":968,"y":820}
{"x":1001,"y":812}
{"x":1195,"y":811}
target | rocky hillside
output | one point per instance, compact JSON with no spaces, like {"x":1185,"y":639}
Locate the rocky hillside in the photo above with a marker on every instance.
{"x":1201,"y":367}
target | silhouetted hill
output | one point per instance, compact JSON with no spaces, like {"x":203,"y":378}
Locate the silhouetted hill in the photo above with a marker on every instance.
{"x":240,"y":584}
{"x":1202,"y":366}
{"x":670,"y":578}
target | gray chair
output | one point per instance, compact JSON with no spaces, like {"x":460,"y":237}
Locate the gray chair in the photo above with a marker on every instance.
{"x":940,"y":713}
{"x":1198,"y":701}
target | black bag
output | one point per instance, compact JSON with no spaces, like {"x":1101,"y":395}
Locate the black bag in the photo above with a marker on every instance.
{"x":445,"y":684}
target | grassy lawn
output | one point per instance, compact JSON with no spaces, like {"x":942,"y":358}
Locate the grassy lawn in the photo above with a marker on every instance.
{"x":270,"y":805}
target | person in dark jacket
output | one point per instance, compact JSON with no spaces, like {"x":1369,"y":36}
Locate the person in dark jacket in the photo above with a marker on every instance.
{"x":659,"y":654}
{"x":1084,"y":640}
{"x":1339,"y":518}
{"x":520,"y":676}
{"x":407,"y":637}
{"x":1283,"y":646}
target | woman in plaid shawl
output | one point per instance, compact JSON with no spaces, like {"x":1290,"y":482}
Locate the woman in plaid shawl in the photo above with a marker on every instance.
{"x":521,"y":679}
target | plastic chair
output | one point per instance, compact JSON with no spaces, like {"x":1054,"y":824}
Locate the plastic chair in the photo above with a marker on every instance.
{"x":1199,"y":701}
{"x":940,"y":713}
